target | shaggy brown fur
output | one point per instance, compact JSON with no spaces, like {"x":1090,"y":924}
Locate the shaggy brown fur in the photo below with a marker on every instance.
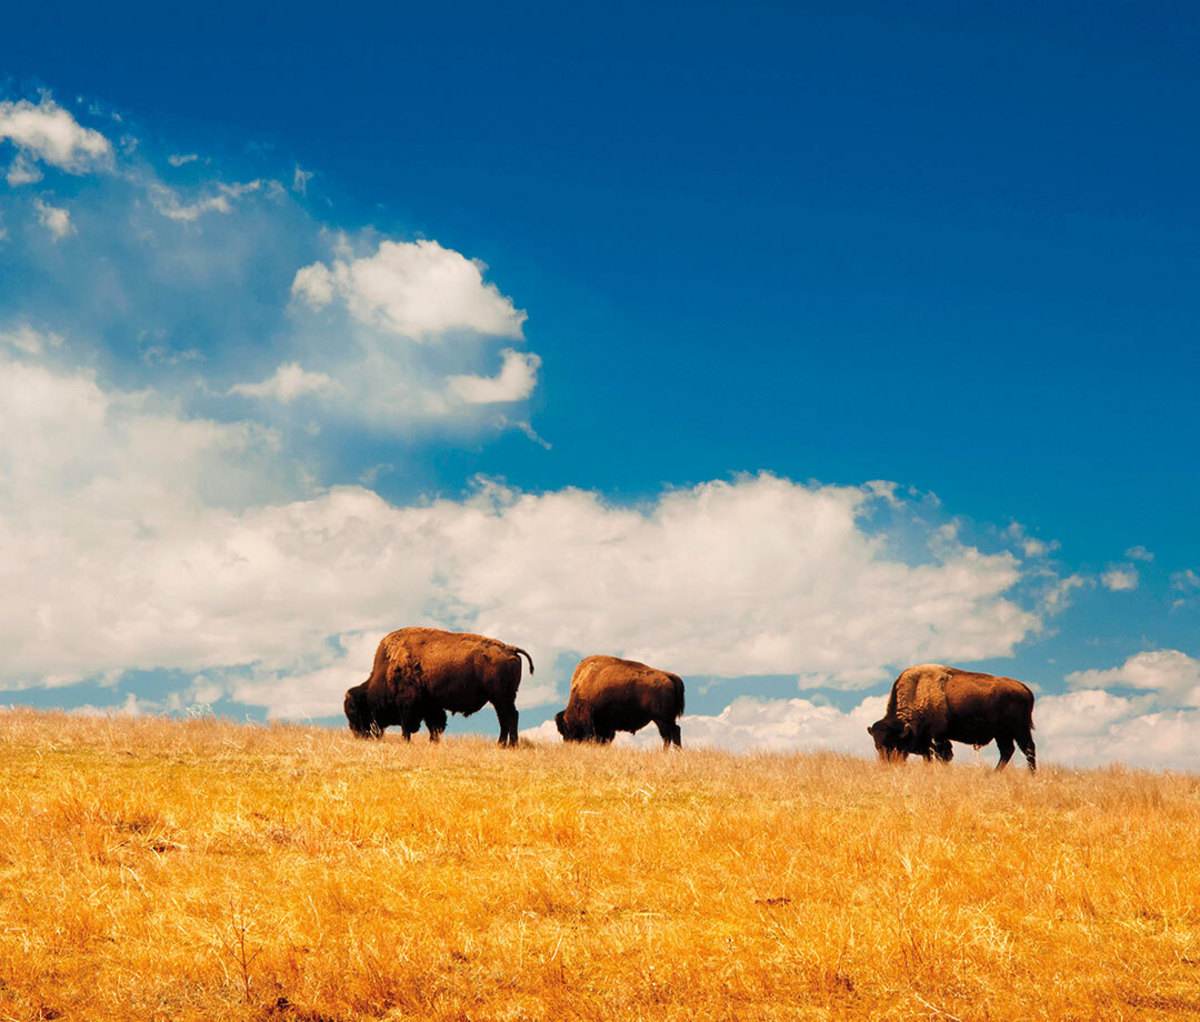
{"x":920,"y":694}
{"x":932,"y":705}
{"x":420,"y":674}
{"x":610,"y":695}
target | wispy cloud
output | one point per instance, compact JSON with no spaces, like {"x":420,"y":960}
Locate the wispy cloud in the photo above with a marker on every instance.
{"x":168,"y":203}
{"x":238,"y":281}
{"x":1185,"y":581}
{"x":46,"y":133}
{"x":29,"y":341}
{"x":288,"y":383}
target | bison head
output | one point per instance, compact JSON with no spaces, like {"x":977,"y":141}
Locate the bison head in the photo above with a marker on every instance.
{"x":572,"y":731}
{"x":359,"y":715}
{"x":894,"y":739}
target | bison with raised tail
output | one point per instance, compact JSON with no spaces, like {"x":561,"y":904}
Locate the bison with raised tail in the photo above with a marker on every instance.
{"x":610,"y":695}
{"x":932,"y":706}
{"x":420,"y":674}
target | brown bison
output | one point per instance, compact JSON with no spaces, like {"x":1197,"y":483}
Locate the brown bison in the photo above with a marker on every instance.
{"x":932,"y":706}
{"x":421,"y":673}
{"x":610,"y":695}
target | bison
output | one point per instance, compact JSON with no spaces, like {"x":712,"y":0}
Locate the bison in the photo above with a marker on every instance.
{"x":931,"y":706}
{"x":421,"y":673}
{"x":610,"y":695}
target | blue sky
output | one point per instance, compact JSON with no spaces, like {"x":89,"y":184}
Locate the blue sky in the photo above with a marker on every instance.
{"x":782,"y":348}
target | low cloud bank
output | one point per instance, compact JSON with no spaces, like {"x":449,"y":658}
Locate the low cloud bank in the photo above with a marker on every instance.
{"x":157,"y":541}
{"x":1082,"y":729}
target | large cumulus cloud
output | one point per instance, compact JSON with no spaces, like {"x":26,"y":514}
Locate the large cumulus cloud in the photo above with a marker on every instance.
{"x":150,"y":539}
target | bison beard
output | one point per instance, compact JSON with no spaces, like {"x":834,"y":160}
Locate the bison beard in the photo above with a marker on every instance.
{"x":420,"y":674}
{"x":931,"y":706}
{"x":610,"y":695}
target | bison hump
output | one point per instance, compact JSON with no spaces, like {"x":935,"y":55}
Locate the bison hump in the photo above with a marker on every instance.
{"x":921,"y":694}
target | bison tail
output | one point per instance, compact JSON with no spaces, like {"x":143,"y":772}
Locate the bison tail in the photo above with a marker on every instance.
{"x":678,"y":694}
{"x":518,"y":649}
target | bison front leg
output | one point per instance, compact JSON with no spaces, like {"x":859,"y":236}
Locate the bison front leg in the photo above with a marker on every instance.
{"x":410,"y":723}
{"x":1005,"y":744}
{"x":435,"y":720}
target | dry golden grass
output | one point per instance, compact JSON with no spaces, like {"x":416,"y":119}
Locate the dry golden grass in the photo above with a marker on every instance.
{"x":157,"y":869}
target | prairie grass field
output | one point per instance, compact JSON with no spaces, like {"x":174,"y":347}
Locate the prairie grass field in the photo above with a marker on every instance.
{"x":167,"y":869}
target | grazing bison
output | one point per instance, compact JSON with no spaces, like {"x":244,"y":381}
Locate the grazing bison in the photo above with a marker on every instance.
{"x":610,"y":695}
{"x":421,"y":673}
{"x":932,"y":706}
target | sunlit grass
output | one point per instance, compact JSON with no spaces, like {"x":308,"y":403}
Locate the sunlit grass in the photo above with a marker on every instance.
{"x":165,"y":869}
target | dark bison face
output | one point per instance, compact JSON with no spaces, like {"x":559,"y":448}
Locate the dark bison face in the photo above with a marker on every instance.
{"x":893,"y":740}
{"x":574,"y":732}
{"x":358,"y":714}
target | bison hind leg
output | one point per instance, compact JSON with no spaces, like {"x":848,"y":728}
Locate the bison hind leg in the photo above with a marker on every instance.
{"x":670,"y":733}
{"x":1027,"y":747}
{"x":506,"y":714}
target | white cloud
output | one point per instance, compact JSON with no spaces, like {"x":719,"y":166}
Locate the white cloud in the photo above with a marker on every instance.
{"x":154,"y":541}
{"x":1120,"y":579}
{"x":760,"y":575}
{"x":679,"y":584}
{"x":1139,"y":553}
{"x":48,"y":133}
{"x":1172,"y":675}
{"x":289,"y":382}
{"x":515,"y":381}
{"x":300,"y":180}
{"x":225,"y":288}
{"x":32,"y":342}
{"x":380,"y":309}
{"x":85,"y":497}
{"x":179,"y":159}
{"x":413,"y":289}
{"x":748,"y":725}
{"x":168,"y":203}
{"x":785,"y":725}
{"x":55,"y":219}
{"x":1090,"y":728}
{"x":315,"y":283}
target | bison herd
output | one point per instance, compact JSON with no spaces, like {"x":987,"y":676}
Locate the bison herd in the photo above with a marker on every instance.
{"x":421,"y":674}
